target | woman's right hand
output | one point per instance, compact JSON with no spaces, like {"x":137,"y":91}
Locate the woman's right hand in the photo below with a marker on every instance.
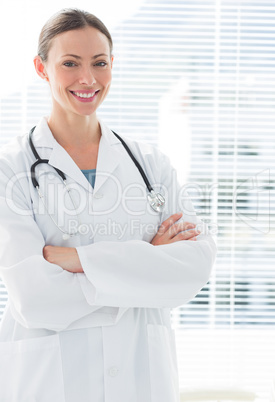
{"x":171,"y":232}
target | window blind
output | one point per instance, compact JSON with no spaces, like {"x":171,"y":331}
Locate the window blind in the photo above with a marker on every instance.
{"x":197,"y":79}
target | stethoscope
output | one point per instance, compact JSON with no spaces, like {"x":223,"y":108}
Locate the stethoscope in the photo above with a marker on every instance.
{"x":156,"y":200}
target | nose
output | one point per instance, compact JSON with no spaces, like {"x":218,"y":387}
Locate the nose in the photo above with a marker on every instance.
{"x":87,"y":77}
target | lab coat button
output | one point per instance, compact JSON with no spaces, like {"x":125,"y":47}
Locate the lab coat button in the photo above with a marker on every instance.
{"x":113,"y":371}
{"x":98,"y":196}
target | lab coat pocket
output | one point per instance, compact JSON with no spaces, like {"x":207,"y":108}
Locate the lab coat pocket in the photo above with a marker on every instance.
{"x":31,"y":370}
{"x":163,"y":364}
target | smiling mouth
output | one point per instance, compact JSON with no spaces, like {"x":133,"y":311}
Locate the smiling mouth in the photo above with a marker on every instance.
{"x":85,"y":95}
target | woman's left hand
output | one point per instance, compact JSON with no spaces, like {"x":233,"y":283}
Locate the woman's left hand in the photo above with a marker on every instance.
{"x":66,"y":257}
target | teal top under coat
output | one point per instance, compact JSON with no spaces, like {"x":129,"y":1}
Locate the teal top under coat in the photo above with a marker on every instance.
{"x":90,"y":176}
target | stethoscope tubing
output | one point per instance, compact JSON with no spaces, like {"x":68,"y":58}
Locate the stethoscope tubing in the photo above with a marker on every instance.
{"x":156,"y":200}
{"x":141,"y":171}
{"x":39,"y":160}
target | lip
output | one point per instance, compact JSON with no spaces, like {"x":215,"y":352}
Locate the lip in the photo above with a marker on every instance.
{"x":82,"y":91}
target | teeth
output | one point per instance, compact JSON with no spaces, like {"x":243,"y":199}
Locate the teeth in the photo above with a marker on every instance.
{"x":84,"y":95}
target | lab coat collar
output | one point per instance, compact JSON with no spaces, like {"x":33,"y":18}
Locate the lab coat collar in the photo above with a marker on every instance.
{"x":42,"y":136}
{"x":110,"y":154}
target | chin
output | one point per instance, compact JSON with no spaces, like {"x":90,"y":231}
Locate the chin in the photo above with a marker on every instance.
{"x":84,"y":113}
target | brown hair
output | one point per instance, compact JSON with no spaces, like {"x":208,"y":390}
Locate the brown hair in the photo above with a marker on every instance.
{"x":68,"y":20}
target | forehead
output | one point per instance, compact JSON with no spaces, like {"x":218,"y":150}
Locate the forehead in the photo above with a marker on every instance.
{"x":83,"y":42}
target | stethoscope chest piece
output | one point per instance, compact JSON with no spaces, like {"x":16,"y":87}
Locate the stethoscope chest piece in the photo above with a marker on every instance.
{"x":156,"y":201}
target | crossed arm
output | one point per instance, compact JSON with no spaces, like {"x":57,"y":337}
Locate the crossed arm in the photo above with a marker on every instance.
{"x":169,"y":232}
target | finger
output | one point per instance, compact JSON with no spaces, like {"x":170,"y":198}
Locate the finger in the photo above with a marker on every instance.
{"x":168,"y":222}
{"x":178,"y":238}
{"x":47,"y":252}
{"x":188,"y":235}
{"x":180,"y":227}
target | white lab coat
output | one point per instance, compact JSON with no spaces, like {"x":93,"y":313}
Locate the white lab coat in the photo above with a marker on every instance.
{"x":105,"y":334}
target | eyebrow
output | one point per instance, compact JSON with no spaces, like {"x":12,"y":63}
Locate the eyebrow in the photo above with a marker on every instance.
{"x":78,"y":57}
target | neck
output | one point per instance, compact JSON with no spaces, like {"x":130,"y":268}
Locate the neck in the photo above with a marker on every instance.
{"x":74,"y":131}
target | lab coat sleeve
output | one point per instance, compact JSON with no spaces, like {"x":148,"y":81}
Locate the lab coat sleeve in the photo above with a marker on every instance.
{"x":138,"y":274}
{"x":41,"y":294}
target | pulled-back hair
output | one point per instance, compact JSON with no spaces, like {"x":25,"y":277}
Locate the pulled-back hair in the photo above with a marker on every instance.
{"x":68,"y":20}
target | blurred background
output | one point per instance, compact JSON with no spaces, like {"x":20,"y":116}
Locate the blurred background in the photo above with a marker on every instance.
{"x":195,"y":78}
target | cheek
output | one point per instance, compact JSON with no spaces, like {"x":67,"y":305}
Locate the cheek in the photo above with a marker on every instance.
{"x":107,"y":79}
{"x":56,"y":88}
{"x":61,"y":78}
{"x":60,"y":84}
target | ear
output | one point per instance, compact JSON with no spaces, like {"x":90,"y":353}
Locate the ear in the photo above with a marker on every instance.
{"x":112,"y":60}
{"x":40,"y":68}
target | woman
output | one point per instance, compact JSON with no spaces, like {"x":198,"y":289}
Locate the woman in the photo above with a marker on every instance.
{"x":91,"y":273}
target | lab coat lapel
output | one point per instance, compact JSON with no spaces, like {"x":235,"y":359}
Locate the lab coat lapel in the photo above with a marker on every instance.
{"x":61,"y":160}
{"x":108,"y":159}
{"x":49,"y":148}
{"x":110,"y":153}
{"x":109,"y":156}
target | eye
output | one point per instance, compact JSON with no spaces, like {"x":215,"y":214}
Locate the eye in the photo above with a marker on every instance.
{"x":101,"y":64}
{"x":69,"y":64}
